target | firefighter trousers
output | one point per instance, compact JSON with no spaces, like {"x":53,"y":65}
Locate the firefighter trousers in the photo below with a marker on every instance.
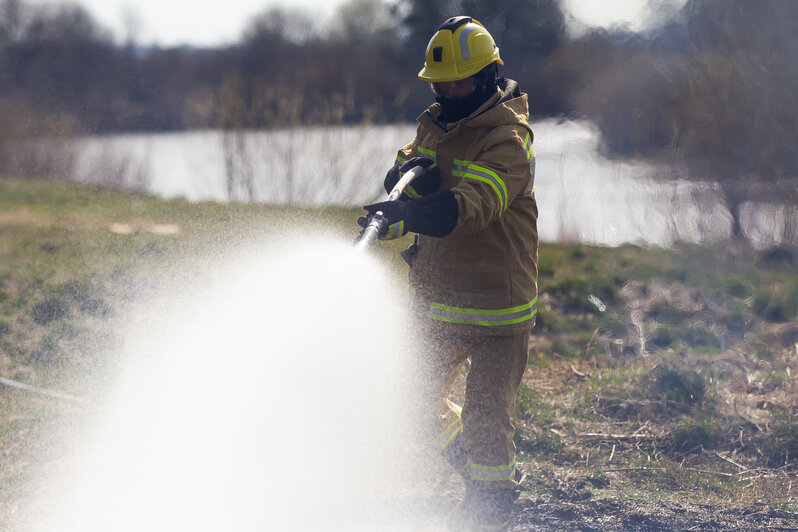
{"x":482,"y":427}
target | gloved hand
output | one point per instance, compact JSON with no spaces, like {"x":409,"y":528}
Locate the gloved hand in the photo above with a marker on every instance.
{"x":433,"y":215}
{"x":390,"y":230}
{"x":426,"y":183}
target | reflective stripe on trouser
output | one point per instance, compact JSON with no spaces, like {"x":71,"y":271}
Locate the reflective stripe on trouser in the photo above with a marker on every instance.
{"x":485,"y":473}
{"x":497,"y":365}
{"x":455,"y":426}
{"x":484,"y":317}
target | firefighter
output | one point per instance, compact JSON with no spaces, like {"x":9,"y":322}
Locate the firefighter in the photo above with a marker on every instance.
{"x":473,"y":264}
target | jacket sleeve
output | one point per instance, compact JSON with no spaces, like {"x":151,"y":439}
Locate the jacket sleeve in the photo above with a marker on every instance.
{"x":408,"y":151}
{"x":500,"y":174}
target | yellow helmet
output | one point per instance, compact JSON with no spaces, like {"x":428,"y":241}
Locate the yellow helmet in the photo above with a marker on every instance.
{"x":460,"y":48}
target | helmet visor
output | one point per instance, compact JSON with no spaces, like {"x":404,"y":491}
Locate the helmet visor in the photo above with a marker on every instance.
{"x":454,"y":90}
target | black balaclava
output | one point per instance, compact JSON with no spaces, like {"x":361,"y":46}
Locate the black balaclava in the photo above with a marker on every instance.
{"x":485,"y":86}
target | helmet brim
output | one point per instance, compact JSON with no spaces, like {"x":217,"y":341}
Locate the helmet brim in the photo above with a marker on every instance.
{"x":431,"y":76}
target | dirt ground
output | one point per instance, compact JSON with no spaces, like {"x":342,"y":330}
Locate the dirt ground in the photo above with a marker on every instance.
{"x":539,"y":514}
{"x":631,"y":515}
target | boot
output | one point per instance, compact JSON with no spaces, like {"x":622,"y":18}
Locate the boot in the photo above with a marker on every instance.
{"x":457,"y":456}
{"x":483,"y":510}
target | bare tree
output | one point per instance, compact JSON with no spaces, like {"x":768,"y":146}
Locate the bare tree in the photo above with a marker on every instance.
{"x":11,"y":20}
{"x":710,"y":92}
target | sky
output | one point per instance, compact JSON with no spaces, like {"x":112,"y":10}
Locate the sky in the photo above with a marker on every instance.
{"x":176,"y":22}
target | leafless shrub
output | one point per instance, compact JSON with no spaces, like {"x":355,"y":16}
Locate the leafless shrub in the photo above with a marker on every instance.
{"x":51,"y":158}
{"x":107,"y":166}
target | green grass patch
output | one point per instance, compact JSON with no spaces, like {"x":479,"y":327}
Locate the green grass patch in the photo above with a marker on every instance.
{"x":694,"y":433}
{"x":673,"y":345}
{"x":777,"y":302}
{"x":780,"y":443}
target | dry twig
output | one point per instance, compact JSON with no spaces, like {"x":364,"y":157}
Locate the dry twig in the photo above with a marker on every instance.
{"x":630,"y":437}
{"x":707,"y":472}
{"x":732,"y":462}
{"x":590,"y":342}
{"x":689,"y":451}
{"x":619,"y":469}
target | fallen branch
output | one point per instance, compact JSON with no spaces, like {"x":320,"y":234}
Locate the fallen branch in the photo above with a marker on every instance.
{"x":707,"y":472}
{"x":732,"y":462}
{"x":619,"y":469}
{"x":759,"y":475}
{"x":787,"y":466}
{"x":704,"y":471}
{"x":689,"y":451}
{"x":632,"y":437}
{"x":41,"y":391}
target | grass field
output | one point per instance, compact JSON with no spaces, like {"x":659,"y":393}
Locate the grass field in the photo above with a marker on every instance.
{"x":663,"y":376}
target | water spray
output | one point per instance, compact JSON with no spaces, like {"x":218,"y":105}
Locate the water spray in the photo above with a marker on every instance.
{"x":257,"y":397}
{"x":232,"y":401}
{"x":377,"y":223}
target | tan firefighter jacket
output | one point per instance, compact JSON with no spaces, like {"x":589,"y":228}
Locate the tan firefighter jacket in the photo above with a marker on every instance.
{"x":482,"y":278}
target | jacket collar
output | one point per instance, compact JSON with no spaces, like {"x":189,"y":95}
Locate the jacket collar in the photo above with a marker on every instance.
{"x":505,"y":107}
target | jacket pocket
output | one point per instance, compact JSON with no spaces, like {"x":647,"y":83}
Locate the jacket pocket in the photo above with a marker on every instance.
{"x":485,"y":276}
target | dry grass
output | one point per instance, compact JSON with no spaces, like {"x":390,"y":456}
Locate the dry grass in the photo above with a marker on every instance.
{"x":663,"y":375}
{"x":683,"y":389}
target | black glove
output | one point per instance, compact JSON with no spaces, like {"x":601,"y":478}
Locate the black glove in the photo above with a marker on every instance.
{"x":394,"y":227}
{"x":425,"y":183}
{"x":432,"y":215}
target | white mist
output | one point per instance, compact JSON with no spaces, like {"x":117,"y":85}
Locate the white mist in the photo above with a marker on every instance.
{"x":270,"y":397}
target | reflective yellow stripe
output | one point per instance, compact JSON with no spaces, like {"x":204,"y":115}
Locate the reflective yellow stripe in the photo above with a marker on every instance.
{"x":484,"y":317}
{"x":395,"y":230}
{"x":452,"y":437}
{"x":528,"y":146}
{"x":448,"y":429}
{"x":459,"y":167}
{"x":411,"y":192}
{"x":530,"y":187}
{"x":448,"y":434}
{"x":428,"y":152}
{"x":480,"y":173}
{"x":445,"y":438}
{"x":469,"y":170}
{"x":484,"y":473}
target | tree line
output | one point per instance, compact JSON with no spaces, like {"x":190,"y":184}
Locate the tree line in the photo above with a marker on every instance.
{"x":58,"y":65}
{"x":712,"y":88}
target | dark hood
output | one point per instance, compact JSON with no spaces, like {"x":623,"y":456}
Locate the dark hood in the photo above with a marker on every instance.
{"x":507,"y":89}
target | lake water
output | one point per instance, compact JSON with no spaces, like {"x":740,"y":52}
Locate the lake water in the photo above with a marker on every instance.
{"x":582,"y":196}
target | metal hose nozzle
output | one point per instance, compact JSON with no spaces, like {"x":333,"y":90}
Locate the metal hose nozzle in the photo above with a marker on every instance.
{"x":377,"y":221}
